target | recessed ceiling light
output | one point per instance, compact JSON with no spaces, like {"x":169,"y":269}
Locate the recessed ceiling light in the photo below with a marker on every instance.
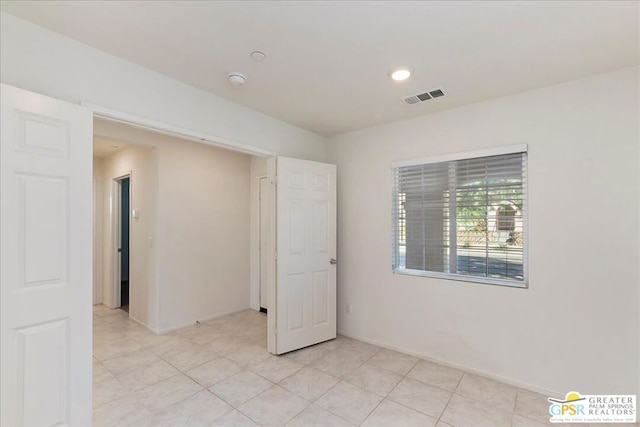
{"x":400,"y":74}
{"x":258,"y":56}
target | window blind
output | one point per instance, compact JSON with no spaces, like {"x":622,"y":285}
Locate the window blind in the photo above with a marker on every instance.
{"x":464,"y":218}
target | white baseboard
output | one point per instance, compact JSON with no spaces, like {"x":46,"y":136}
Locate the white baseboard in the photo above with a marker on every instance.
{"x":143,"y":324}
{"x":206,"y":319}
{"x":458,"y":366}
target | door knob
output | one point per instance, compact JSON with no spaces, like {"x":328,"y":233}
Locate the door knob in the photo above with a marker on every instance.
{"x":333,"y":261}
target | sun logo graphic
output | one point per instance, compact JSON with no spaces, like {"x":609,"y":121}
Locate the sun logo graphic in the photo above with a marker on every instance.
{"x":569,"y":406}
{"x":577,"y":408}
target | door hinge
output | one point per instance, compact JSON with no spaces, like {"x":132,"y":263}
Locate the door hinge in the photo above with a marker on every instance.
{"x":275,"y":254}
{"x":274,"y":181}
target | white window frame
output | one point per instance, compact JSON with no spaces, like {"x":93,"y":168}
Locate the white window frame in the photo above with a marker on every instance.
{"x":510,"y":149}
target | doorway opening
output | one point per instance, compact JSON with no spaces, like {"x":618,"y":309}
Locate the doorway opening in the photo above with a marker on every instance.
{"x":120,"y":131}
{"x":123,"y":222}
{"x":264,"y":221}
{"x":194,"y":227}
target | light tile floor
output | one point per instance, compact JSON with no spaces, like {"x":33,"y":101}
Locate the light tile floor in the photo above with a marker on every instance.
{"x":219,"y":374}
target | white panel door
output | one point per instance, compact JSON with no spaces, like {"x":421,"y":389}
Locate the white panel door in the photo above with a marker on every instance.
{"x":45,"y":260}
{"x":306,"y":246}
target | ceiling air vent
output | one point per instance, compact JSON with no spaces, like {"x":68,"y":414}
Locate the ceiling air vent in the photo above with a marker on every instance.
{"x":421,"y":97}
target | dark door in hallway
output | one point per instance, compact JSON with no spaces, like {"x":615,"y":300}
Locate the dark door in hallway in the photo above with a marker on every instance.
{"x":125,"y":190}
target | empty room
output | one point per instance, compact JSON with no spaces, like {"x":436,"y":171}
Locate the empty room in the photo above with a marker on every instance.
{"x":320,"y":213}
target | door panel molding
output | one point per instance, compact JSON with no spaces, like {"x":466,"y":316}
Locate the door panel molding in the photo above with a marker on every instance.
{"x":45,"y":260}
{"x":306,"y":243}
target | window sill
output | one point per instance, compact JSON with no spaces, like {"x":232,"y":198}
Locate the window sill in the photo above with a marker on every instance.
{"x":461,"y":278}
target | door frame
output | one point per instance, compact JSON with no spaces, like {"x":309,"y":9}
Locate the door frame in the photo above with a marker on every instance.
{"x":272,"y":299}
{"x":104,"y":113}
{"x":98,"y":281}
{"x":262,"y":203}
{"x":116,"y":224}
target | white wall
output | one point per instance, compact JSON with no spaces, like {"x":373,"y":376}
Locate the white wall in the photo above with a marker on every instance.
{"x":203,"y":232}
{"x":42,"y":61}
{"x":141,"y":163}
{"x":577,"y":326}
{"x":98,"y":230}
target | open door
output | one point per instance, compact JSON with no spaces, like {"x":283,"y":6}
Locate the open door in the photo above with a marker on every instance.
{"x":45,"y":261}
{"x":121,"y":224}
{"x":306,"y":252}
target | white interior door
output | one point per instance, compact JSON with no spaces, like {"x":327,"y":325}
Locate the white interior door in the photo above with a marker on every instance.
{"x":306,"y":252}
{"x":45,"y":261}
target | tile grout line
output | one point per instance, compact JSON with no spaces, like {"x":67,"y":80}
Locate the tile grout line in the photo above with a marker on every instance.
{"x":484,"y":403}
{"x":345,"y":379}
{"x":422,"y":382}
{"x":342,"y":380}
{"x":450,"y":398}
{"x":406,"y":375}
{"x":110,"y":326}
{"x":277,"y":385}
{"x":131,"y":393}
{"x":222,"y":400}
{"x":254,"y":397}
{"x":379,"y":403}
{"x":326,"y":392}
{"x":389,"y":394}
{"x":515,"y":405}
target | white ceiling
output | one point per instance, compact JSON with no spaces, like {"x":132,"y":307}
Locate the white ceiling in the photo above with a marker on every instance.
{"x":327,"y":61}
{"x":104,"y":146}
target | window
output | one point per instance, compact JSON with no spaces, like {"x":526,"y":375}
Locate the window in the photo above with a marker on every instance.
{"x":462,"y":217}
